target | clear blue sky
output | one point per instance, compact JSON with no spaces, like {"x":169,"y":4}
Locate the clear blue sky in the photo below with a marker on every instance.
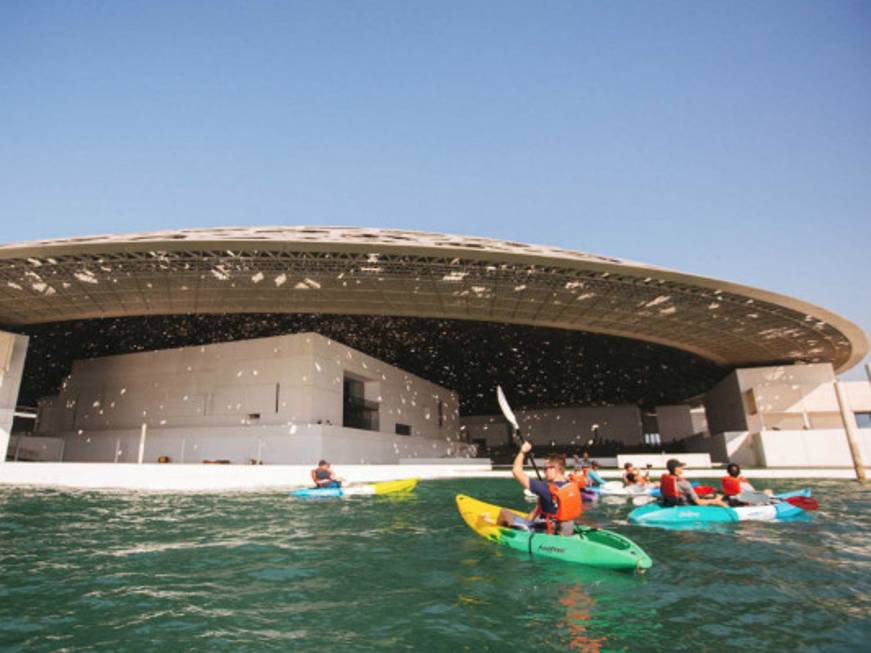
{"x":728,"y":139}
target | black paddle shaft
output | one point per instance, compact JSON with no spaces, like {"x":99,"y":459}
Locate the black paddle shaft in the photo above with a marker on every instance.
{"x":529,"y":456}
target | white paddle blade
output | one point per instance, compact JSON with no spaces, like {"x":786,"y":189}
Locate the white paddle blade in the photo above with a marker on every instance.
{"x":506,"y":409}
{"x":642,"y":500}
{"x":754,"y":498}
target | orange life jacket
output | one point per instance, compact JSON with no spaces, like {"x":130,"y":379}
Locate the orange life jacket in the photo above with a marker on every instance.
{"x":567,"y":500}
{"x":732,"y":485}
{"x":668,"y":485}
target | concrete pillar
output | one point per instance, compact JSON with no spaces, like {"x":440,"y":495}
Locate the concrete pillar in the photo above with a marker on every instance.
{"x":13,"y":351}
{"x":142,"y":436}
{"x":849,"y":421}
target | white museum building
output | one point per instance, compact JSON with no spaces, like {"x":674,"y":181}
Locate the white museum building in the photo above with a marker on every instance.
{"x":290,"y":399}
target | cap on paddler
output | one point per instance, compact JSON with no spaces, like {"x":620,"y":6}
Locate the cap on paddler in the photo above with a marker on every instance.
{"x":673,"y":464}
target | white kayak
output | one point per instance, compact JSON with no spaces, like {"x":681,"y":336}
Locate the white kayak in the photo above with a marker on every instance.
{"x":616,"y":488}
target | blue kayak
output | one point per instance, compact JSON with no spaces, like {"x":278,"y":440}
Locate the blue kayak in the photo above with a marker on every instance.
{"x":656,"y":515}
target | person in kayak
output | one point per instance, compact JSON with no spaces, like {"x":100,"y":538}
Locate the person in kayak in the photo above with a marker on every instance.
{"x":631,"y":476}
{"x":559,"y":500}
{"x":677,"y":491}
{"x":735,"y":484}
{"x":595,"y":479}
{"x":324,"y":477}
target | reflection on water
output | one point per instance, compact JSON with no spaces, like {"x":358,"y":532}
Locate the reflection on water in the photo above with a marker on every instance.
{"x":87,"y":571}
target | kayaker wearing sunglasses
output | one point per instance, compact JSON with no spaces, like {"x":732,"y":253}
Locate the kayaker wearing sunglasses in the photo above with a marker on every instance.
{"x":559,"y":500}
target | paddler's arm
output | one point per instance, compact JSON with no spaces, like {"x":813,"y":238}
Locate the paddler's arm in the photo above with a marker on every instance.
{"x":696,"y":499}
{"x":517,"y":468}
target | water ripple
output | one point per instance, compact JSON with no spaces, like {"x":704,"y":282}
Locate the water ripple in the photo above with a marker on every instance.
{"x":110,"y":571}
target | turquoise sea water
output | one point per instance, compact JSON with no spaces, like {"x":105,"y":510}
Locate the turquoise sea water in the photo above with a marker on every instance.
{"x":89,"y":571}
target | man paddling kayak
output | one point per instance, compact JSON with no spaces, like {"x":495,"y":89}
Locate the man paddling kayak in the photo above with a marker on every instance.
{"x":677,"y":491}
{"x":559,"y":500}
{"x":325,"y":477}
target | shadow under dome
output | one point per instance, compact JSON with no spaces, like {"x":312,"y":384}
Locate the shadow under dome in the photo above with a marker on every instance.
{"x":538,"y":366}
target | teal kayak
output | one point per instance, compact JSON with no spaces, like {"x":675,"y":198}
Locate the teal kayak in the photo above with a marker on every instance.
{"x":656,"y":515}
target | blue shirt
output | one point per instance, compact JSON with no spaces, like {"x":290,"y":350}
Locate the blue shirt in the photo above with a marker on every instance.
{"x":542,"y":491}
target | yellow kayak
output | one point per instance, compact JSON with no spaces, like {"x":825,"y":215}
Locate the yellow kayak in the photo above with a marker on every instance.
{"x":392,"y":487}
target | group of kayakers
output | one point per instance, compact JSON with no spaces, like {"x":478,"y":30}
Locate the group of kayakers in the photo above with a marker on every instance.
{"x":559,"y":494}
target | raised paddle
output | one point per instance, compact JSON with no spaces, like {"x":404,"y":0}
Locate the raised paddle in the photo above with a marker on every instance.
{"x":515,"y":428}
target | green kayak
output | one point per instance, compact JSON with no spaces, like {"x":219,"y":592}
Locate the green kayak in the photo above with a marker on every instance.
{"x":588,"y":546}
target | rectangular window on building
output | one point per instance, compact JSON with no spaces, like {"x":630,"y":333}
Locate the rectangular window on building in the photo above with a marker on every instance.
{"x":863,"y":420}
{"x":357,"y":411}
{"x":403,"y":429}
{"x":441,"y":413}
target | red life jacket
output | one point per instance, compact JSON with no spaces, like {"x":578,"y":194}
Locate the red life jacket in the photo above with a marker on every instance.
{"x":732,"y":485}
{"x":567,"y":500}
{"x":668,"y":485}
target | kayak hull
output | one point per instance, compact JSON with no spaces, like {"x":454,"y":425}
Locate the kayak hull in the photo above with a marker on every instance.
{"x":588,"y":546}
{"x":655,"y":515}
{"x":368,"y":489}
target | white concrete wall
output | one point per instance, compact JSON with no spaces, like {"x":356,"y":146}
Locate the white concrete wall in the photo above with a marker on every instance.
{"x":233,"y":400}
{"x":770,"y":405}
{"x":797,"y":448}
{"x":659,"y":460}
{"x":815,"y":448}
{"x":858,"y":395}
{"x":675,"y":422}
{"x":566,"y":426}
{"x":13,"y":351}
{"x":215,"y":477}
{"x":270,"y":444}
{"x":787,"y":397}
{"x":733,"y":446}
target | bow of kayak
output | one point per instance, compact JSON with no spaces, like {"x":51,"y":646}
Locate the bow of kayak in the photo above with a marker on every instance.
{"x":588,"y":546}
{"x":393,"y":487}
